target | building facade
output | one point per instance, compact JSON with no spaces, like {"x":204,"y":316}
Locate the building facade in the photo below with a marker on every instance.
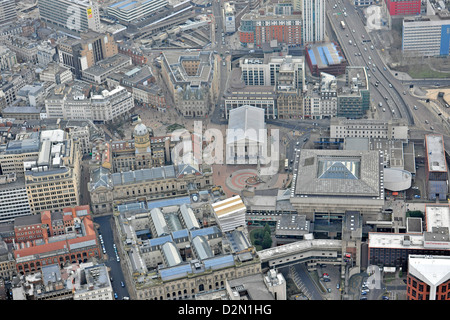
{"x":428,"y":278}
{"x":403,"y":7}
{"x":436,"y":174}
{"x":313,"y":20}
{"x":257,"y":29}
{"x":73,"y":16}
{"x":53,"y":179}
{"x":83,"y":53}
{"x":106,"y":188}
{"x":427,"y":36}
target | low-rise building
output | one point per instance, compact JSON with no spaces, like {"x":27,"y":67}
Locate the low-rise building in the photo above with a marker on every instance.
{"x":55,"y":73}
{"x":91,"y":282}
{"x":325,"y":57}
{"x":395,"y":129}
{"x":24,"y":113}
{"x":77,"y":100}
{"x":99,"y":72}
{"x":77,"y":243}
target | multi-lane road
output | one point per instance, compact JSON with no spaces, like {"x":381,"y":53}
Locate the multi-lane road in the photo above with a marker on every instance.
{"x":394,"y":94}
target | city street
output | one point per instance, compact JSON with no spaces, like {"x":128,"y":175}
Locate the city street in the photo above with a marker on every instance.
{"x":115,"y":270}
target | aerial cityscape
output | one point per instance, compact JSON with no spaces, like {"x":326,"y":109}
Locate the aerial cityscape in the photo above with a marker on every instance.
{"x":224,"y":150}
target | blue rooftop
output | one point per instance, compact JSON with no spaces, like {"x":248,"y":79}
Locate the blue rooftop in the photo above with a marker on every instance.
{"x":180,"y":234}
{"x":159,"y":241}
{"x":168,"y":202}
{"x":219,"y":262}
{"x":204,"y":231}
{"x":118,"y":3}
{"x":175,"y":272}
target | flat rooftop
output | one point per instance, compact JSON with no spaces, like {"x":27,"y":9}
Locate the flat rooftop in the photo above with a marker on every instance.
{"x":435,"y":152}
{"x":325,"y":55}
{"x":228,"y":206}
{"x":339,"y":173}
{"x":437,"y":216}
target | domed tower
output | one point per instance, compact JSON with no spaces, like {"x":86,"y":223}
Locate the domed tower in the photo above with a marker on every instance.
{"x":143,"y":151}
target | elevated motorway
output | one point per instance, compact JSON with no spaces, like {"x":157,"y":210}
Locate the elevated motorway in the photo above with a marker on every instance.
{"x":310,"y":251}
{"x":358,"y":53}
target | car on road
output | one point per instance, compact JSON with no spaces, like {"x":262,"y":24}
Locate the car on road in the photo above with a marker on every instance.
{"x":363,"y":293}
{"x":431,"y":128}
{"x":363,"y":298}
{"x":385,"y":298}
{"x":415,"y":107}
{"x":122,"y":284}
{"x":426,"y":121}
{"x":116,"y":296}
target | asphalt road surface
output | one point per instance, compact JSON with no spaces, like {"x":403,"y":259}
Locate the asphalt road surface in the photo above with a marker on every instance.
{"x":110,"y":257}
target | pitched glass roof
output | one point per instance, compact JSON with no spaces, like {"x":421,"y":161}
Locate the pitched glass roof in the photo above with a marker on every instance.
{"x":339,"y":169}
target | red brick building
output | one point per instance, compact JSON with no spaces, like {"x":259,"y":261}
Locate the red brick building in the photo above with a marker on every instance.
{"x":258,"y":28}
{"x":66,"y":237}
{"x":428,"y":278}
{"x":137,"y":56}
{"x":403,"y":7}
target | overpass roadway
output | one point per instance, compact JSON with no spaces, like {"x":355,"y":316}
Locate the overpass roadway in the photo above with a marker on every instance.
{"x":317,"y":250}
{"x":389,"y":87}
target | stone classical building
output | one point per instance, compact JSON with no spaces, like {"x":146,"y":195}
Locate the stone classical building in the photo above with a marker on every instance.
{"x":107,"y":188}
{"x":192,"y":79}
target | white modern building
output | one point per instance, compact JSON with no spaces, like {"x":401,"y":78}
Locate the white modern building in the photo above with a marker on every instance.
{"x":266,"y":71}
{"x":8,"y":58}
{"x":73,"y":16}
{"x":431,"y":270}
{"x":321,"y":100}
{"x":313,"y":20}
{"x":427,"y":35}
{"x":13,"y":197}
{"x":91,"y":282}
{"x":75,"y":105}
{"x":229,"y":17}
{"x":127,"y":11}
{"x":56,"y":73}
{"x":393,"y":129}
{"x":45,"y":54}
{"x":8,"y":11}
{"x":230,"y":213}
